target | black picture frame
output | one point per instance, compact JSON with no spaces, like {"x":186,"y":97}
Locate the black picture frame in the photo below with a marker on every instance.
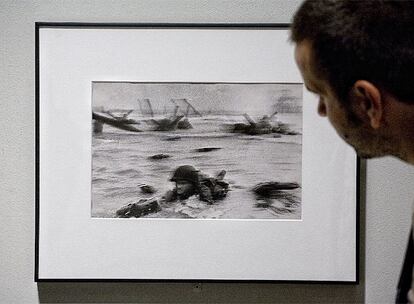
{"x":39,"y":26}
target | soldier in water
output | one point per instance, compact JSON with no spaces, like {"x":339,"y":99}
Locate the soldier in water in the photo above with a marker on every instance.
{"x":189,"y":181}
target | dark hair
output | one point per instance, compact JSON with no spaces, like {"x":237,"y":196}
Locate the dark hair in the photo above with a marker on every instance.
{"x":352,"y":40}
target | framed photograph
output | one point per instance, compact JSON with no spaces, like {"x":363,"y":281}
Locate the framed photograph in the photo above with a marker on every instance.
{"x":186,"y":152}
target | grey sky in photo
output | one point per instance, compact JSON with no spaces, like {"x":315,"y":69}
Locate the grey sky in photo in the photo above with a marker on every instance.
{"x":250,"y":98}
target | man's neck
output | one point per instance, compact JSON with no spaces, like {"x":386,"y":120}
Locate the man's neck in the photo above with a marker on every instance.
{"x":408,"y":156}
{"x":401,"y":123}
{"x":407,"y":136}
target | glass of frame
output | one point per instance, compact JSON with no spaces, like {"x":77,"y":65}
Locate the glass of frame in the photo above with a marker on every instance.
{"x":187,"y":152}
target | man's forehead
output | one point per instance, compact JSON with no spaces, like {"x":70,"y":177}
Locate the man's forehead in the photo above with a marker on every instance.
{"x":303,"y":57}
{"x":303,"y":53}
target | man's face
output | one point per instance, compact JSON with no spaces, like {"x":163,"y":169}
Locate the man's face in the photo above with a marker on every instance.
{"x":183,"y":187}
{"x":345,"y":121}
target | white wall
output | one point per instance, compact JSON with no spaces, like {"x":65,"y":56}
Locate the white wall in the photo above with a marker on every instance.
{"x":389,"y":183}
{"x":389,"y":198}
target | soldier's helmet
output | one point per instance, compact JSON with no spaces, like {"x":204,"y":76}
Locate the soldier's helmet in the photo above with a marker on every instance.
{"x":187,"y":173}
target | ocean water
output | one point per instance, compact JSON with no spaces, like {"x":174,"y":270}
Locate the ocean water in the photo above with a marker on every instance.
{"x":120,"y":164}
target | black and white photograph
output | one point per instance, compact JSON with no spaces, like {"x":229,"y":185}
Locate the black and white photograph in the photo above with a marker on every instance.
{"x":179,"y":142}
{"x":196,"y":150}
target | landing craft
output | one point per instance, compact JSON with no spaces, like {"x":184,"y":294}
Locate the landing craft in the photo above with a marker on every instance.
{"x":184,"y":103}
{"x":159,"y":124}
{"x":101,"y":119}
{"x":180,"y":103}
{"x":124,"y":118}
{"x":166,"y":124}
{"x":263,"y":126}
{"x":170,"y":123}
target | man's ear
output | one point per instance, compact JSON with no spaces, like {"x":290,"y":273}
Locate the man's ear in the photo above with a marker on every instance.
{"x":370,"y":102}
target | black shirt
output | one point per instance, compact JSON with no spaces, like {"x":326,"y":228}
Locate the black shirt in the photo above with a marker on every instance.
{"x":406,"y":275}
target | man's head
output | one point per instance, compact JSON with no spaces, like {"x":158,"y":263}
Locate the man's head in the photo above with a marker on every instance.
{"x":186,"y":180}
{"x":358,"y":56}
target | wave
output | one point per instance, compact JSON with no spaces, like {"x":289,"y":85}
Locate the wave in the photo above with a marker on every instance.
{"x":133,"y":172}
